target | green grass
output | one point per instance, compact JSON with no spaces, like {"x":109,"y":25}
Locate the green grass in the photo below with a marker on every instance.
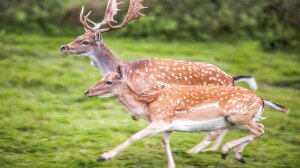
{"x":46,"y":121}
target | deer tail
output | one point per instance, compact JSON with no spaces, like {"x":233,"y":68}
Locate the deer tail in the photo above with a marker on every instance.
{"x":250,"y":80}
{"x":275,"y":106}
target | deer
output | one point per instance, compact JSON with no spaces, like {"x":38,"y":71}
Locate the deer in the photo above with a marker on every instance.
{"x":148,"y":76}
{"x":187,"y":109}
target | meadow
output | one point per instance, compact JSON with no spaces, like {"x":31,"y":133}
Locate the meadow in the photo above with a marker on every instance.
{"x":46,"y":121}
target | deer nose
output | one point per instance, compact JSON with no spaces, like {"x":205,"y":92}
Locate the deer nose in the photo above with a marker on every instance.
{"x":87,"y":91}
{"x":63,"y":47}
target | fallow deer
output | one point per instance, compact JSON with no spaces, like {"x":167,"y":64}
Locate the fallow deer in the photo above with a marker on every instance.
{"x":147,"y":76}
{"x":189,"y":109}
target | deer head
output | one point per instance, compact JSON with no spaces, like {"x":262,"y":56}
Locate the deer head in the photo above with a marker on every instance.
{"x":108,"y":86}
{"x":90,"y":42}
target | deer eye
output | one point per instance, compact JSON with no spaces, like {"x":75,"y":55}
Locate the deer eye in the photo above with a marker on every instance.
{"x":108,"y":82}
{"x":85,"y":43}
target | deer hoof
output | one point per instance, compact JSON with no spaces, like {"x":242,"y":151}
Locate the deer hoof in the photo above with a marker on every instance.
{"x":223,"y":155}
{"x":100,"y":159}
{"x":242,"y":160}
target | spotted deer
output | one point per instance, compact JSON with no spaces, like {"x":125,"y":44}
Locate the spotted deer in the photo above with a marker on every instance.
{"x":188,"y":109}
{"x":147,"y":76}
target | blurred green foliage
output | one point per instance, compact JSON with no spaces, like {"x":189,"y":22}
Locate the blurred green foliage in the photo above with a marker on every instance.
{"x":276,"y":23}
{"x":30,"y":15}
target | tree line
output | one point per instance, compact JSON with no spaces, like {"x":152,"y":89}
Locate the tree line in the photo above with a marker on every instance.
{"x":275,"y":23}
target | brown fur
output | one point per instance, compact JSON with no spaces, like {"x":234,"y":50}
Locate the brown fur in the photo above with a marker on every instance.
{"x":175,"y":108}
{"x":178,"y":102}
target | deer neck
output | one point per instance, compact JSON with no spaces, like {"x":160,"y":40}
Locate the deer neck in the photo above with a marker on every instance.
{"x":104,"y":60}
{"x":127,"y":97}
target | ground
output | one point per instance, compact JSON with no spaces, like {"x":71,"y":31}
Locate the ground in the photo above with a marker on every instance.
{"x":46,"y":121}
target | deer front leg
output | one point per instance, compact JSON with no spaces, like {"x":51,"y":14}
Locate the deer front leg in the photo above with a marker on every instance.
{"x":150,"y":130}
{"x":166,"y":140}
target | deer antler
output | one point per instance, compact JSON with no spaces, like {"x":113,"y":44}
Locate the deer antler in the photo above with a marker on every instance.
{"x":111,"y":11}
{"x":134,"y":12}
{"x":83,"y":19}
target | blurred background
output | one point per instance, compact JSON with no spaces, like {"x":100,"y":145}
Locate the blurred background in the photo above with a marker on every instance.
{"x":46,"y":121}
{"x":275,"y":23}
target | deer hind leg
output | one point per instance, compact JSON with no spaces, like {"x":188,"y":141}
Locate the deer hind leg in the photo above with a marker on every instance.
{"x":216,"y":135}
{"x":166,"y":140}
{"x":255,"y":132}
{"x":150,"y":130}
{"x":218,"y":141}
{"x":237,"y":151}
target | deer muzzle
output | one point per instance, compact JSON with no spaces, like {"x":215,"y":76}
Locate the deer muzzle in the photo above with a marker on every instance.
{"x":63,"y":48}
{"x":87,"y":92}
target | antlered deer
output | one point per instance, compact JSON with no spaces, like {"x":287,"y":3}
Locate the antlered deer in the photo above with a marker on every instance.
{"x":187,"y":108}
{"x":147,"y":76}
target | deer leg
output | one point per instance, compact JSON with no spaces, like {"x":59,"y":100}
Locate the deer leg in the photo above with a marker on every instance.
{"x":150,"y":130}
{"x":234,"y":143}
{"x":205,"y":142}
{"x":218,"y":141}
{"x":166,"y":140}
{"x":255,"y":132}
{"x":237,"y":152}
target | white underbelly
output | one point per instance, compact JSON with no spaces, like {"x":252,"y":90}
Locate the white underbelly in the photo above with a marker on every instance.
{"x":193,"y":126}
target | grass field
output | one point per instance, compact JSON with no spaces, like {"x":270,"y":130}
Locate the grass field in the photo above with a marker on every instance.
{"x":46,"y":121}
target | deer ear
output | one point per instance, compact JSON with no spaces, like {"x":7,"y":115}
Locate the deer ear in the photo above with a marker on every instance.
{"x":119,"y":72}
{"x":97,"y":36}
